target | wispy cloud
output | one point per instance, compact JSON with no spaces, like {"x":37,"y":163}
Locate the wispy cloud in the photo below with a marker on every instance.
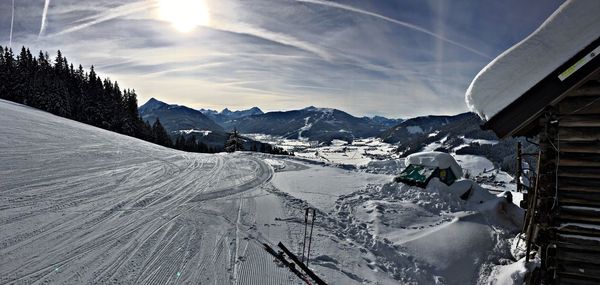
{"x":394,"y":58}
{"x":398,"y":22}
{"x":109,"y":14}
{"x":283,"y":39}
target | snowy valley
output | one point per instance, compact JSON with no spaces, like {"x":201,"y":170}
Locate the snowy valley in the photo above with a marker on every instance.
{"x":84,"y":205}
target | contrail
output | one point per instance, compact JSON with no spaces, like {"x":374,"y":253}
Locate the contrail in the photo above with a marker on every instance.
{"x":12,"y":21}
{"x":44,"y":14}
{"x":238,"y":28}
{"x":282,"y":39}
{"x":398,"y":22}
{"x":109,"y":14}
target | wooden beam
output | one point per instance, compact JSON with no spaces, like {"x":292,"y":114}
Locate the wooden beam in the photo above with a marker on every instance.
{"x":579,"y":106}
{"x":578,"y":162}
{"x":580,"y":147}
{"x":580,"y":121}
{"x":591,"y":134}
{"x":570,"y":255}
{"x":579,"y":181}
{"x":573,"y":217}
{"x":580,"y":189}
{"x":590,"y":88}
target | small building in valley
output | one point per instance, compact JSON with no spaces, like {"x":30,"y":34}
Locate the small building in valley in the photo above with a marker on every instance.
{"x":423,"y":166}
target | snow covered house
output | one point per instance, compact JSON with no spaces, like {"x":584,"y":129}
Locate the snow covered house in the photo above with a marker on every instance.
{"x":423,"y":166}
{"x":548,"y":87}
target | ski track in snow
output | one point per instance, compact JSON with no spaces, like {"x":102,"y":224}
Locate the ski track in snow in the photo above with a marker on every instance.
{"x":83,"y":205}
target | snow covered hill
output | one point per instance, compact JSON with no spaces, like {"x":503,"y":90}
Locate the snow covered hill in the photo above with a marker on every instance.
{"x":316,"y":124}
{"x":81,"y":205}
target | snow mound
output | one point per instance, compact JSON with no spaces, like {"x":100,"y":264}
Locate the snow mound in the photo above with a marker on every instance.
{"x":438,"y":159}
{"x":572,"y":27}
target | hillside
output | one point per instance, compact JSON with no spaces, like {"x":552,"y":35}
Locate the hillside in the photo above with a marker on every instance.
{"x":176,"y":118}
{"x":317,"y":124}
{"x":460,"y":134}
{"x":82,"y":205}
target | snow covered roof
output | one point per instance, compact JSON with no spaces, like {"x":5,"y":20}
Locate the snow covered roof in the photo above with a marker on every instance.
{"x":437,"y":159}
{"x":571,"y":28}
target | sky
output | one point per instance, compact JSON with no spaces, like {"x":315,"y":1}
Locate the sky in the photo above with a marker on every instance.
{"x":398,"y":59}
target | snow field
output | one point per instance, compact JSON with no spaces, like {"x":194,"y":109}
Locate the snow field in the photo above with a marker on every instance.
{"x":79,"y":205}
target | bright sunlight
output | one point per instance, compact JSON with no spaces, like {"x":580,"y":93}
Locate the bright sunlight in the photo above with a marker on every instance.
{"x":184,"y":15}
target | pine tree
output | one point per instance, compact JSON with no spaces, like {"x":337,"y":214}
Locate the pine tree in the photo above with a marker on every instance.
{"x":234,"y":142}
{"x":159,"y":134}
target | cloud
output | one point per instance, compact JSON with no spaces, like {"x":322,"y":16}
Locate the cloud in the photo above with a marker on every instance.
{"x":243,"y":28}
{"x":109,"y":14}
{"x":283,"y":54}
{"x":44,"y":16}
{"x":398,"y":22}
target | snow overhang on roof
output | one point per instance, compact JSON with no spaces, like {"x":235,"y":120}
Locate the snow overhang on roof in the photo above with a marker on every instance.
{"x":435,"y":159}
{"x":570,"y":29}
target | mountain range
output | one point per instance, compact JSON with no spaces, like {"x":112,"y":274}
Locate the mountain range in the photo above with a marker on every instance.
{"x":312,"y":123}
{"x":458,"y":133}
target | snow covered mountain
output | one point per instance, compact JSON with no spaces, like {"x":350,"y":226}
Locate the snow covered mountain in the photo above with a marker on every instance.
{"x":318,"y":124}
{"x":177,"y":118}
{"x":460,"y":134}
{"x":227,"y":115}
{"x":418,"y":126}
{"x":385,"y":121}
{"x":181,"y":120}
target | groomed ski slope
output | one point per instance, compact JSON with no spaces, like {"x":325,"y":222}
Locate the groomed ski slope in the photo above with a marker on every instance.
{"x":81,"y":205}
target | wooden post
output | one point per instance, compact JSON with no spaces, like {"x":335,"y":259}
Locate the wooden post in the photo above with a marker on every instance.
{"x":519,"y":168}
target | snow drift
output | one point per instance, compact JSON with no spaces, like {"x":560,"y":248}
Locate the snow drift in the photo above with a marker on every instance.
{"x":568,"y":30}
{"x":435,"y":159}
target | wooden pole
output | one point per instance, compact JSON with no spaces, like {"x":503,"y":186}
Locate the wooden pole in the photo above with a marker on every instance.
{"x":519,"y":168}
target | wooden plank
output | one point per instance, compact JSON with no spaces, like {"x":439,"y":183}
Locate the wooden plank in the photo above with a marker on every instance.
{"x":569,"y":239}
{"x":580,"y":121}
{"x":579,"y":198}
{"x":579,"y":218}
{"x":579,"y":106}
{"x":589,"y":134}
{"x":594,"y":190}
{"x":580,"y":181}
{"x":579,"y":175}
{"x":568,"y":279}
{"x":580,"y":147}
{"x":579,"y":162}
{"x":590,"y":88}
{"x":564,"y":254}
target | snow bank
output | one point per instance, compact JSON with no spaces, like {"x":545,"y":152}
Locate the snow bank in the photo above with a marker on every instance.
{"x":390,"y":166}
{"x":512,"y":274}
{"x":571,"y":28}
{"x":435,"y":159}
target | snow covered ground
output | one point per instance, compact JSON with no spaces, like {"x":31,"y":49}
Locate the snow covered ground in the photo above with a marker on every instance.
{"x":359,"y":153}
{"x":80,"y":205}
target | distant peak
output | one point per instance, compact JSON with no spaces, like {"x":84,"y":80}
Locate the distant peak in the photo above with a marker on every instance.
{"x":153,"y":104}
{"x":315,"y":109}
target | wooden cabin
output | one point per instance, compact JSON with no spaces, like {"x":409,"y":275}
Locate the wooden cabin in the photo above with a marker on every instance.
{"x":562,"y":111}
{"x":423,"y":166}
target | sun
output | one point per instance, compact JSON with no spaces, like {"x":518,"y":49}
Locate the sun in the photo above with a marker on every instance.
{"x":184,"y":15}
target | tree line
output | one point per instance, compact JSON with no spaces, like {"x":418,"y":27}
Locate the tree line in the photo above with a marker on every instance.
{"x":58,"y":87}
